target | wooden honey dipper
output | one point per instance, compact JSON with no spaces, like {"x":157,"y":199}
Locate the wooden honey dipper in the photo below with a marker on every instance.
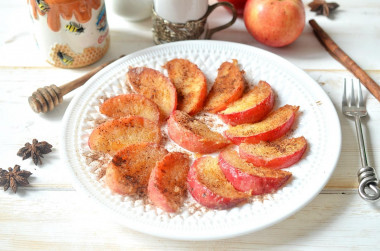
{"x":47,"y":98}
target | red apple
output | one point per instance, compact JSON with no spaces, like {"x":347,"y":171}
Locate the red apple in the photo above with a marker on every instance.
{"x":274,"y":126}
{"x":252,"y":107}
{"x":277,"y":154}
{"x":130,"y":105}
{"x":113,"y":135}
{"x":238,"y":4}
{"x":155,"y":86}
{"x":129,"y":171}
{"x":190,"y":82}
{"x":246,"y":177}
{"x":210,"y":188}
{"x":167,"y":185}
{"x":275,"y":22}
{"x":193,"y":135}
{"x":228,"y":87}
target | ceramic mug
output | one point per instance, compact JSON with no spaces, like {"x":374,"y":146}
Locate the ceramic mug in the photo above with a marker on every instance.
{"x":175,"y":20}
{"x":70,"y":33}
{"x":132,"y":10}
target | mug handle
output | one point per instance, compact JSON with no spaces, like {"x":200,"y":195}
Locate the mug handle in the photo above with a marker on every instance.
{"x":211,"y":8}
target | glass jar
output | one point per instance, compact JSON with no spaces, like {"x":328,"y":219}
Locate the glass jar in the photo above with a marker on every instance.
{"x":70,"y":33}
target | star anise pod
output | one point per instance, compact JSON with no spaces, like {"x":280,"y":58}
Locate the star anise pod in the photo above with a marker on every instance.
{"x":14,"y":178}
{"x":321,"y":7}
{"x":35,"y":150}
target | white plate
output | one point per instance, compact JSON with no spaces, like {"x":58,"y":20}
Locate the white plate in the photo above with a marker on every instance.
{"x":317,"y":121}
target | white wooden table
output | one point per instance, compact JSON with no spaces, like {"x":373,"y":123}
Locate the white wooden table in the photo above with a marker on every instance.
{"x":49,"y":214}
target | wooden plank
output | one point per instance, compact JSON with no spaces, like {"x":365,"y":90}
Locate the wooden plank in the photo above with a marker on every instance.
{"x":28,"y":125}
{"x":51,"y":215}
{"x":18,"y":46}
{"x":63,"y":220}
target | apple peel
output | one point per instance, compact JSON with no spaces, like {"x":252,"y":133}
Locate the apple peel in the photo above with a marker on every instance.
{"x":277,"y":154}
{"x":246,"y":177}
{"x":228,"y":86}
{"x":190,"y":82}
{"x":209,"y":187}
{"x":251,"y":108}
{"x":274,"y":126}
{"x":194,"y":135}
{"x":167,"y":183}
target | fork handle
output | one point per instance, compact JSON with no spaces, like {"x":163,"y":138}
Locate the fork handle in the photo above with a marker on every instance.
{"x":368,"y":182}
{"x":359,"y":134}
{"x":366,"y":175}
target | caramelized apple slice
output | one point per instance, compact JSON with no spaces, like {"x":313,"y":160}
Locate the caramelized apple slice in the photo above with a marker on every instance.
{"x":154,"y":86}
{"x":252,"y":107}
{"x":274,"y":126}
{"x":246,"y":177}
{"x":194,"y":135}
{"x":277,"y":154}
{"x":228,"y":87}
{"x":167,"y":183}
{"x":190,"y":82}
{"x":130,"y":105}
{"x":130,"y":168}
{"x":210,"y":188}
{"x":116,"y":134}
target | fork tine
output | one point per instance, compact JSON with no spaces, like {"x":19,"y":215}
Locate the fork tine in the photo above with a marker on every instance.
{"x":360,"y":96}
{"x":352,"y":101}
{"x":344,"y":99}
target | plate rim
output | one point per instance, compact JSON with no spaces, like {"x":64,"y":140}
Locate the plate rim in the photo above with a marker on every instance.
{"x":175,"y":235}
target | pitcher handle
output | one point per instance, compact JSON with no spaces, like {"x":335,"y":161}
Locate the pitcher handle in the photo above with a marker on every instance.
{"x":211,"y":8}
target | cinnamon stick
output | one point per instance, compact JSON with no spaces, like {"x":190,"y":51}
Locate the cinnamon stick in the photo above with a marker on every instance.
{"x":345,"y":60}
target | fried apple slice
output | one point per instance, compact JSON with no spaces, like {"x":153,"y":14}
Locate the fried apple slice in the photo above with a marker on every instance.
{"x":190,"y":82}
{"x":154,"y":86}
{"x":228,"y":87}
{"x":167,"y":183}
{"x":210,"y":188}
{"x":116,"y":134}
{"x":246,"y":177}
{"x":277,"y":154}
{"x":130,"y":105}
{"x":274,"y":126}
{"x":129,"y":171}
{"x":251,"y":108}
{"x":194,"y":135}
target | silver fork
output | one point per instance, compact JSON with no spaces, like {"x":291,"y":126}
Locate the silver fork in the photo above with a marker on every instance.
{"x":368,"y":183}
